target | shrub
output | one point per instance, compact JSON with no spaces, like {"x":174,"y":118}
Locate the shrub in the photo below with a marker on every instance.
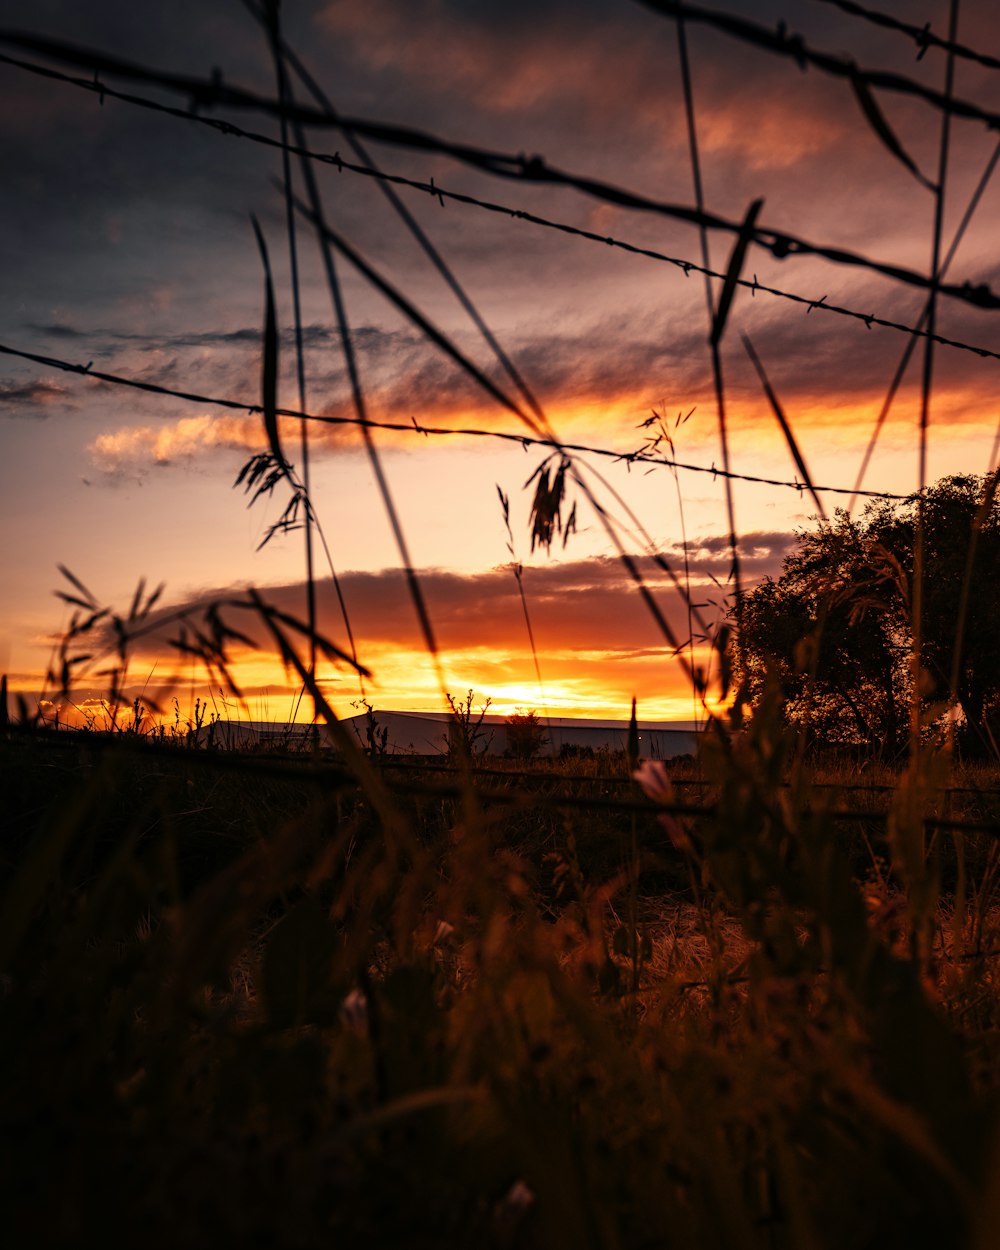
{"x":526,"y":737}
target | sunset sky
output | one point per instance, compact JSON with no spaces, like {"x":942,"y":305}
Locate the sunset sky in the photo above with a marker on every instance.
{"x":126,"y":242}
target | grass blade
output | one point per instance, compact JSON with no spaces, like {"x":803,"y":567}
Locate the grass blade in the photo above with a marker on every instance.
{"x":733,"y":271}
{"x":91,"y":601}
{"x":269,"y":366}
{"x":786,"y":429}
{"x":876,"y":119}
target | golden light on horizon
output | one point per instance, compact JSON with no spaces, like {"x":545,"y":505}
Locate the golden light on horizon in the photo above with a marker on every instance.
{"x":587,"y":685}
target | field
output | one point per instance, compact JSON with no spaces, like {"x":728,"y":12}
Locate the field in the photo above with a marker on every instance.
{"x":247,"y":1000}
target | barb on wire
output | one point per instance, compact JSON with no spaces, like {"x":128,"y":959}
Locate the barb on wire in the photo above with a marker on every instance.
{"x":922,"y":36}
{"x":434,"y":189}
{"x":779,"y":40}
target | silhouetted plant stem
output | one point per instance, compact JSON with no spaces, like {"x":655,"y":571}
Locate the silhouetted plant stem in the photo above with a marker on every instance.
{"x":910,"y":347}
{"x":357,"y":395}
{"x":927,"y":384}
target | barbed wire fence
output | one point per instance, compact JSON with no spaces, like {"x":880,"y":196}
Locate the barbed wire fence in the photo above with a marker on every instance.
{"x":441,"y":193}
{"x":203,"y":94}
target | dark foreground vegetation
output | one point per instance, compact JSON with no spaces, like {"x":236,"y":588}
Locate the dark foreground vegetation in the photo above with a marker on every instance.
{"x":248,"y":1001}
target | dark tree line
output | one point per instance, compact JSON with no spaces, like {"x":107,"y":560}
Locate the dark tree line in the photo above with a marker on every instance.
{"x":835,"y":630}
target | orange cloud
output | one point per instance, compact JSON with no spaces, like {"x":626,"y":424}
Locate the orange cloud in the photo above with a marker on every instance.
{"x":180,"y":439}
{"x":775,"y":136}
{"x":489,"y":63}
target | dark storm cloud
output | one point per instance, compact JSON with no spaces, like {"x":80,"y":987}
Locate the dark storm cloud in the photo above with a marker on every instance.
{"x":59,"y":330}
{"x":505,"y":64}
{"x":244,"y":335}
{"x":30,"y":399}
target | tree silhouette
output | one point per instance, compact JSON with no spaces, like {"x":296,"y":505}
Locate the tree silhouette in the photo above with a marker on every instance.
{"x":526,"y":735}
{"x":835,"y":630}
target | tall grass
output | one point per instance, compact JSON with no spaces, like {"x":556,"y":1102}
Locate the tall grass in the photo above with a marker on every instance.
{"x":238,"y":1004}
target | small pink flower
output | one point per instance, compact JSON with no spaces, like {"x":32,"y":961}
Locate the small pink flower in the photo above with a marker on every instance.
{"x":654,"y":780}
{"x":354,"y":1012}
{"x":442,"y":933}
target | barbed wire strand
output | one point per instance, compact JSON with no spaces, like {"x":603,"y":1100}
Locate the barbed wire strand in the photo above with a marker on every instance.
{"x":922,"y":36}
{"x":413,"y":427}
{"x":442,"y":194}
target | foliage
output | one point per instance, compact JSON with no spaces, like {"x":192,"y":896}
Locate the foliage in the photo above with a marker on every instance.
{"x":376,"y":734}
{"x":468,"y":735}
{"x":961,"y":592}
{"x":526,"y":736}
{"x":835,"y":630}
